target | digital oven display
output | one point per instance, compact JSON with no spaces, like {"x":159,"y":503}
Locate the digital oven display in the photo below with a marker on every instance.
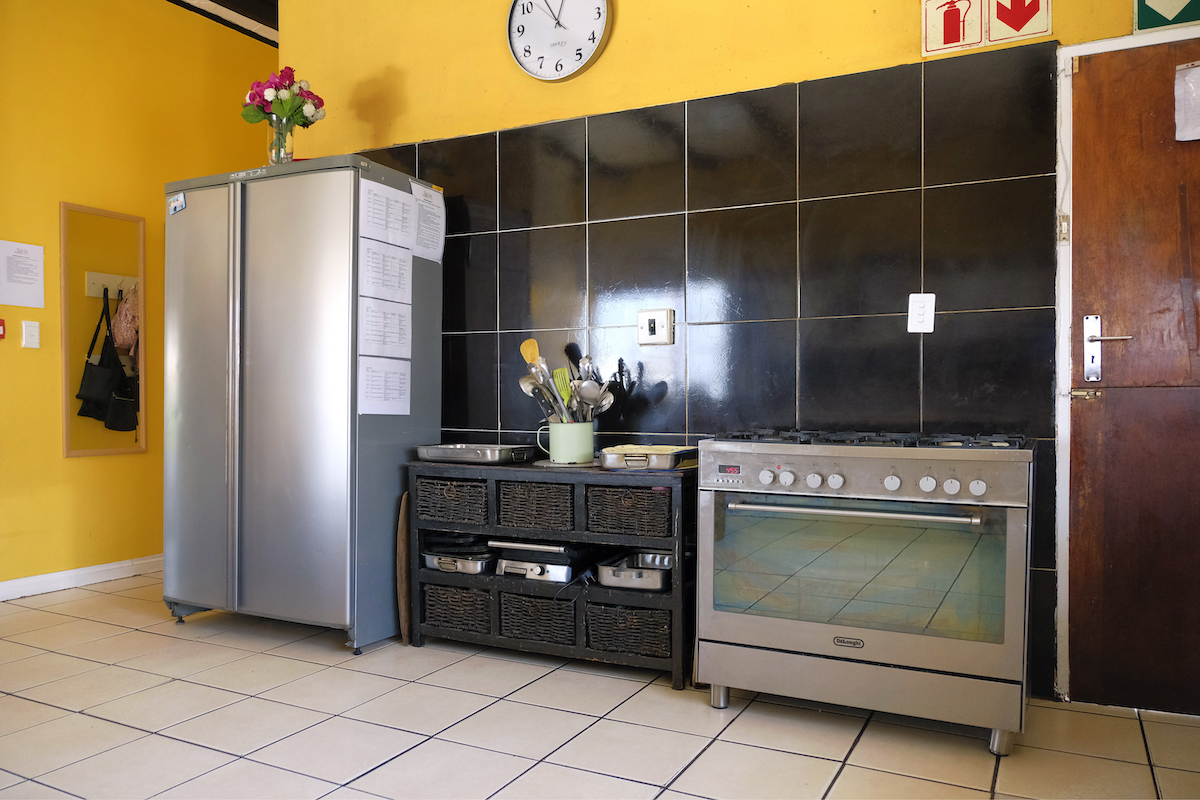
{"x":728,"y":469}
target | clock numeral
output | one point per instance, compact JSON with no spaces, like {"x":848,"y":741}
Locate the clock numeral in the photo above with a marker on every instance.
{"x":526,"y":8}
{"x":540,"y":60}
{"x":520,"y":30}
{"x":558,"y":66}
{"x":592,"y":38}
{"x":579,"y":54}
{"x":526,"y":52}
{"x":598,"y":14}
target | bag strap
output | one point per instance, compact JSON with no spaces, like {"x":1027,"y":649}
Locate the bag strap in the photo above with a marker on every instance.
{"x":103,"y":318}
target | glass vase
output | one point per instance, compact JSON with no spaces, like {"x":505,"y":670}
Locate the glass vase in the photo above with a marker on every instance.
{"x":282,"y":140}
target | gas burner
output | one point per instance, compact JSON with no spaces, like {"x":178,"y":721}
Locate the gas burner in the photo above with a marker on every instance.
{"x":998,"y":440}
{"x":754,"y":435}
{"x":841,"y":437}
{"x":892,"y":439}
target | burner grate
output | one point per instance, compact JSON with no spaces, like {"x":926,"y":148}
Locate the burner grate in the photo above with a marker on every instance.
{"x":877,"y":438}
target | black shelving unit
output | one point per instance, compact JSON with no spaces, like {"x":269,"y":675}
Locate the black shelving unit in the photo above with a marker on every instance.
{"x":652,"y":630}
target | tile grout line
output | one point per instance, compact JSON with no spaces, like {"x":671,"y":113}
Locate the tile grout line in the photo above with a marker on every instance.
{"x":1149,"y":757}
{"x":846,"y":758}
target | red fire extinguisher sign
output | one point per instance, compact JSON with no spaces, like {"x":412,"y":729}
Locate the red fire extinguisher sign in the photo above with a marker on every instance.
{"x":951,"y":25}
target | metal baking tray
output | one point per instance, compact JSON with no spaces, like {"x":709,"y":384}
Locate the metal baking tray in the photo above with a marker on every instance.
{"x":648,"y":456}
{"x":624,"y":573}
{"x":477,"y":453}
{"x":468,"y":565}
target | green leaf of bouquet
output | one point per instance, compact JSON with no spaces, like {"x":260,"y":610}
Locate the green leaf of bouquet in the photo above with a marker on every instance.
{"x":277,"y":107}
{"x":253,"y":114}
{"x":293,"y":104}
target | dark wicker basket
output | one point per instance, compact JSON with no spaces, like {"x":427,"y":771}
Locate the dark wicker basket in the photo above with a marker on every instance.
{"x":443,"y":500}
{"x":541,"y":619}
{"x":629,"y":509}
{"x":545,"y":506}
{"x":640,"y":631}
{"x":458,"y":609}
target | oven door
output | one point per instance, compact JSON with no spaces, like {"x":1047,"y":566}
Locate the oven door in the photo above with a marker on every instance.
{"x":933,"y":586}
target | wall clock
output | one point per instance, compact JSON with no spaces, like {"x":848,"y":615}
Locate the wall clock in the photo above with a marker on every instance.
{"x":554,"y":40}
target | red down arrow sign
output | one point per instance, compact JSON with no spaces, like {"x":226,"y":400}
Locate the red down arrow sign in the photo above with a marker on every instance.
{"x":1017,"y":14}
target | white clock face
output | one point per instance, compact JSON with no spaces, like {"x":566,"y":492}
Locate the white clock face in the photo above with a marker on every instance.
{"x":554,"y":40}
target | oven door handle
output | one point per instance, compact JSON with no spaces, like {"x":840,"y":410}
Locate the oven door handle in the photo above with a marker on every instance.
{"x":837,"y":512}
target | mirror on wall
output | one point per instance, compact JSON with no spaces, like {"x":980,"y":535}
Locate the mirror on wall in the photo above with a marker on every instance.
{"x":98,"y":249}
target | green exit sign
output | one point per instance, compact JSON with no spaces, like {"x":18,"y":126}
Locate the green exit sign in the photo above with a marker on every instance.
{"x":1160,"y":13}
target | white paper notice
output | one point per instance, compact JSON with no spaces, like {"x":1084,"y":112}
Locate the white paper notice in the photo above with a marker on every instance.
{"x":386,"y":214}
{"x":383,"y":386}
{"x":431,"y":222}
{"x":384,"y":271}
{"x":22,"y":275}
{"x":384,"y":328}
{"x":1187,"y":102}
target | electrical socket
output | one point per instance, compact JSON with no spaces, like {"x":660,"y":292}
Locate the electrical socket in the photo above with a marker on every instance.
{"x":656,"y":326}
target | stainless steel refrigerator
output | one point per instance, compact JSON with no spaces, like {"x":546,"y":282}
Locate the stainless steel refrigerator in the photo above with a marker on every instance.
{"x":298,"y":382}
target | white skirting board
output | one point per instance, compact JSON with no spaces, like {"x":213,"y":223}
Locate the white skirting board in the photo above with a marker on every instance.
{"x":73,"y":578}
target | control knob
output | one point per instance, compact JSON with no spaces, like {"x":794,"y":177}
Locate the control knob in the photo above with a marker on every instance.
{"x":787,"y":478}
{"x":977,"y":488}
{"x":835,"y":481}
{"x":891,"y":483}
{"x":766,"y":477}
{"x":928,"y":483}
{"x":814,"y":480}
{"x":951,"y":486}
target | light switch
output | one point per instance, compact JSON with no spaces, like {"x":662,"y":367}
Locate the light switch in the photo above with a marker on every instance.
{"x":656,"y":327}
{"x":920,"y":313}
{"x":31,"y":334}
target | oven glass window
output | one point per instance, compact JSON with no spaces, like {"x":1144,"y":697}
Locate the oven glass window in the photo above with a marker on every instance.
{"x":935,"y":578}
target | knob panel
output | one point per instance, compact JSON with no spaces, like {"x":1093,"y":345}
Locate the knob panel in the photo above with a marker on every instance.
{"x":891,"y":483}
{"x":835,"y":481}
{"x":951,"y":486}
{"x":766,"y":477}
{"x":977,"y":488}
{"x":928,"y":483}
{"x":814,"y":480}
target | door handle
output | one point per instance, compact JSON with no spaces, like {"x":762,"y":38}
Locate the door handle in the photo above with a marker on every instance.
{"x":1091,"y":346}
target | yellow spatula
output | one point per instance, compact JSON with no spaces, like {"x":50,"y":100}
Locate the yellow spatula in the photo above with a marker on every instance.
{"x":529,"y":350}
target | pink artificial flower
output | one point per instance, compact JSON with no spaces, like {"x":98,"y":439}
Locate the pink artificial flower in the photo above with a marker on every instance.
{"x":273,"y":82}
{"x":287,"y":76}
{"x":315,"y":100}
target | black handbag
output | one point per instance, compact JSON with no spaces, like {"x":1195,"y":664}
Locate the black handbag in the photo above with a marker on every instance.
{"x":121,"y":414}
{"x":101,"y":379}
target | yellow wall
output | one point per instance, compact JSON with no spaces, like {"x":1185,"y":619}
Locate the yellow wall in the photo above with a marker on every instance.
{"x":104,"y":102}
{"x":396,"y":72}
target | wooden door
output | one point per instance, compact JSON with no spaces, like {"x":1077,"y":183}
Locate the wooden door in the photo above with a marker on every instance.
{"x":1134,"y":613}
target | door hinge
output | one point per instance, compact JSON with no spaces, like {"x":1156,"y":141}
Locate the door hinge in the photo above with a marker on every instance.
{"x":1064,"y":228}
{"x":1085,"y":394}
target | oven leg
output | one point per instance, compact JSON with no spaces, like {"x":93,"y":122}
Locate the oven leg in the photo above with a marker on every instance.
{"x":720,"y":696}
{"x":1001,"y":742}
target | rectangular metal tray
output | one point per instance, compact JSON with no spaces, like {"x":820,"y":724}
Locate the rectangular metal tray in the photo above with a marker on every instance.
{"x":468,"y":565}
{"x":648,"y":456}
{"x":477,"y":453}
{"x":624,"y":574}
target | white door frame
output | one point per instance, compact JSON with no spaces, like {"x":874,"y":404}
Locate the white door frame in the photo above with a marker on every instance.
{"x":1064,"y":315}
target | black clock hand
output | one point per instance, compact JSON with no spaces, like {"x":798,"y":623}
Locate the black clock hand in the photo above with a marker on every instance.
{"x":558,"y":19}
{"x":548,"y":11}
{"x":557,"y":24}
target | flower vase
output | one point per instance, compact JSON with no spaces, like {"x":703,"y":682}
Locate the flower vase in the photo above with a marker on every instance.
{"x":282,"y":140}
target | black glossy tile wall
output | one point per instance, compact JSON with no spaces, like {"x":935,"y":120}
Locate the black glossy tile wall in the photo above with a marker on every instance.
{"x":466,"y":170}
{"x":517,"y":410}
{"x":1042,"y":550}
{"x":860,"y":255}
{"x":542,"y":175}
{"x":656,"y":397}
{"x":635,"y":264}
{"x":1040,"y":655}
{"x":741,"y":375}
{"x":636,"y":162}
{"x":742,"y":264}
{"x":469,"y":283}
{"x":861,"y":133}
{"x":991,"y":115}
{"x":543,"y":278}
{"x":470,"y":380}
{"x":402,"y":157}
{"x":859,"y":373}
{"x":741,"y":148}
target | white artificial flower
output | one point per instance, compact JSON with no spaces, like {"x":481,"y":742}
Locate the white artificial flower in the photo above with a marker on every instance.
{"x":303,"y":85}
{"x":269,"y":94}
{"x":247,"y":100}
{"x":283,"y":94}
{"x":320,"y":114}
{"x":309,"y":110}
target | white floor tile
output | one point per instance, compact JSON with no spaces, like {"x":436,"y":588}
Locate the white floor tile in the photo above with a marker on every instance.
{"x":17,"y":676}
{"x":518,"y":729}
{"x":1084,"y":733}
{"x":1174,"y":746}
{"x":583,"y":692}
{"x":647,"y":755}
{"x":52,"y":598}
{"x":29,"y":790}
{"x":612,"y":670}
{"x":35,"y":751}
{"x":123,"y":584}
{"x":17,"y":714}
{"x":1048,"y":774}
{"x":857,"y":782}
{"x":327,"y":648}
{"x":1170,"y":719}
{"x":8,"y":779}
{"x":249,"y":780}
{"x":932,"y":755}
{"x":735,"y":771}
{"x":246,"y":726}
{"x":203,"y":624}
{"x":332,"y":690}
{"x":797,"y":730}
{"x":93,"y":687}
{"x":1177,"y":784}
{"x":552,"y":782}
{"x":264,"y":635}
{"x":165,"y":705}
{"x":255,"y":674}
{"x":29,"y":620}
{"x":152,"y":592}
{"x":493,"y":676}
{"x":122,"y":647}
{"x":437,"y":769}
{"x":683,"y":711}
{"x":11,"y":651}
{"x":139,"y":769}
{"x":405,"y":662}
{"x":420,"y":708}
{"x":537,"y":659}
{"x":338,"y":750}
{"x":185,"y":658}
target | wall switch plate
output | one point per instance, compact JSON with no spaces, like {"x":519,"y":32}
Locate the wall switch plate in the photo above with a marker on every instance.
{"x":31,"y":334}
{"x":920,"y":313}
{"x":1,"y":329}
{"x":656,"y":327}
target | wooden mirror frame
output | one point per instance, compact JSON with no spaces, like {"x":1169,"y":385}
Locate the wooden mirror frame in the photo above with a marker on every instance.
{"x":70,"y":405}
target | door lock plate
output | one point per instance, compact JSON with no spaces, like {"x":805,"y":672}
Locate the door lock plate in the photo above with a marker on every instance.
{"x":1091,"y":347}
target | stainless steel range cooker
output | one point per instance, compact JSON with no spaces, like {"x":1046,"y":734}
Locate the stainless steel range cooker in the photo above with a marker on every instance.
{"x":881,"y":571}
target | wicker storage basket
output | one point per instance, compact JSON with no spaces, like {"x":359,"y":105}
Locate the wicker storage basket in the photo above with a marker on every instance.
{"x":541,"y":619}
{"x":546,"y":506}
{"x":444,"y":500}
{"x":640,"y":631}
{"x":641,"y":511}
{"x":458,"y":609}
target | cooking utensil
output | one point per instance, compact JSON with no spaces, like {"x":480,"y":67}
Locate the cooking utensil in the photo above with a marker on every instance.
{"x":606,"y":401}
{"x":562,"y":382}
{"x":647,"y":456}
{"x":476,"y":453}
{"x":529,"y":350}
{"x":531,"y":386}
